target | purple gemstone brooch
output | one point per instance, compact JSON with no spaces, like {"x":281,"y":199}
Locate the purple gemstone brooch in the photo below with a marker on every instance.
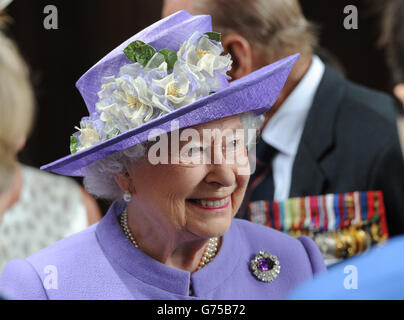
{"x":265,"y":266}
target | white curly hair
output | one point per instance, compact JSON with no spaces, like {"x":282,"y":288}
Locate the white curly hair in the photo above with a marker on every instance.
{"x":99,"y":180}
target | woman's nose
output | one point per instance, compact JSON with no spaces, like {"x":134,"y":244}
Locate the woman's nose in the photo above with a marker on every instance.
{"x":222,"y":174}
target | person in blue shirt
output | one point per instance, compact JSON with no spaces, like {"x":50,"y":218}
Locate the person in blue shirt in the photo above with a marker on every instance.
{"x":377,"y":274}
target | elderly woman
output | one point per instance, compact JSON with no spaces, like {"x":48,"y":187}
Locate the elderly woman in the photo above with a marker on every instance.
{"x":165,"y":139}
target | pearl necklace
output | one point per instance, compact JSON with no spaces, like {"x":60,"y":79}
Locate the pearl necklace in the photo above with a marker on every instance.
{"x":208,"y":254}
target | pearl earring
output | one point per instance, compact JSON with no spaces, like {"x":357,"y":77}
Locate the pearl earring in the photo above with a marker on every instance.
{"x":127,"y":197}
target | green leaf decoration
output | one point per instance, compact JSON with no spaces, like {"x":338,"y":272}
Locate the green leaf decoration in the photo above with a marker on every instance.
{"x":138,"y":51}
{"x":215,"y":36}
{"x":130,"y":50}
{"x":170,"y":57}
{"x":144,"y":53}
{"x":138,"y":43}
{"x":73,"y":144}
{"x":155,"y":61}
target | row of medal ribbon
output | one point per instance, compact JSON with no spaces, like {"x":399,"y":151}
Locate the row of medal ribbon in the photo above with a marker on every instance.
{"x":342,"y":225}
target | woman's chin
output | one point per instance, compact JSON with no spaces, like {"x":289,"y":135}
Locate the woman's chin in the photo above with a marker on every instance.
{"x":208,"y":232}
{"x":213,"y":226}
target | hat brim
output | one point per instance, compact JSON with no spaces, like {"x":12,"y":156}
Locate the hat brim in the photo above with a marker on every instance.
{"x":256,"y":92}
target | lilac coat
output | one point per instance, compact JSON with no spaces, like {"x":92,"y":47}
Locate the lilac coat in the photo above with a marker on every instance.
{"x":100,"y":263}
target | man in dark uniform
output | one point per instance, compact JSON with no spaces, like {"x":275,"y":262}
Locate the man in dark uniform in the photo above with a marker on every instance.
{"x":389,"y":283}
{"x":325,"y":134}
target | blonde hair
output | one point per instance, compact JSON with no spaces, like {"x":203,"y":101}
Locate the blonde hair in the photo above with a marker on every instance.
{"x":277,"y":28}
{"x":16,"y":107}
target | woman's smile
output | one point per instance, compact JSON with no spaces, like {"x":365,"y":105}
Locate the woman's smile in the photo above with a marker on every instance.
{"x":211,"y":203}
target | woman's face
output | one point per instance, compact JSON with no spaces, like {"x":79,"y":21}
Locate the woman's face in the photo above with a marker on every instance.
{"x":195,"y":194}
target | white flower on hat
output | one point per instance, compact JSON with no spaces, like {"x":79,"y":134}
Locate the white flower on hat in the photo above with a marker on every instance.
{"x":203,"y":54}
{"x":88,"y":135}
{"x":127,"y":102}
{"x":144,"y":90}
{"x":180,"y":87}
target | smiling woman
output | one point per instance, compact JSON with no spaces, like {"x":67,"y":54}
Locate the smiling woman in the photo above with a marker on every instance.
{"x":188,"y":203}
{"x":170,"y":232}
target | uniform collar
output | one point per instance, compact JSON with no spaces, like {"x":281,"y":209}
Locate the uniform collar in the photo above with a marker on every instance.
{"x":117,"y":247}
{"x":285,"y":128}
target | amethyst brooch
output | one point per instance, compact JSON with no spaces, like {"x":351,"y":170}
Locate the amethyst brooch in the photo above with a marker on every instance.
{"x":265,"y":266}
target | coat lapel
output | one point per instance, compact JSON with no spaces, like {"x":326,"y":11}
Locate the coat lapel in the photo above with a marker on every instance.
{"x":308,"y":175}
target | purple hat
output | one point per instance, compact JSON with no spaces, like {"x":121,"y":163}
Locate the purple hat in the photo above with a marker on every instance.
{"x":172,"y":70}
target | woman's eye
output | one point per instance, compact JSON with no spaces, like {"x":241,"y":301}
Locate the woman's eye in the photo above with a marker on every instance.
{"x":194,"y":151}
{"x":234,"y":143}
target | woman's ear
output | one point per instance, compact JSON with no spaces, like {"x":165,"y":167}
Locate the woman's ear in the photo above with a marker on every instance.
{"x":124,"y":181}
{"x":241,"y":53}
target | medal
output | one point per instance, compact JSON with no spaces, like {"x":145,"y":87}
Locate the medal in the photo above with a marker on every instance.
{"x":350,"y":242}
{"x":277,"y":216}
{"x":288,"y":216}
{"x":329,"y":199}
{"x":360,"y":238}
{"x":342,"y":225}
{"x":339,"y":245}
{"x":382,"y":212}
{"x":357,"y":209}
{"x":349,"y":213}
{"x":375,"y":233}
{"x":282,"y":215}
{"x":307,"y":215}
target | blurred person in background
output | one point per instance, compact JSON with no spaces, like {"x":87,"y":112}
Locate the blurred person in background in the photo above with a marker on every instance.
{"x":36,"y":208}
{"x":392,"y":35}
{"x":325,"y":134}
{"x":387,"y":260}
